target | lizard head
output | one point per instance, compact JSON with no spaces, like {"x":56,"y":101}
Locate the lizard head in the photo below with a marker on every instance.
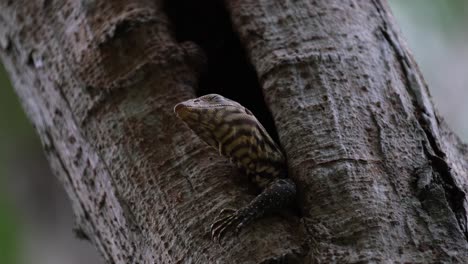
{"x":207,"y":109}
{"x":207,"y":114}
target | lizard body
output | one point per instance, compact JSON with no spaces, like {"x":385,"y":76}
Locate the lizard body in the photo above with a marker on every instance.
{"x":235,"y":132}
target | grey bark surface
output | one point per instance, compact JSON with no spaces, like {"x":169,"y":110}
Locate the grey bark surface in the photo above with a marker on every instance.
{"x":381,"y":178}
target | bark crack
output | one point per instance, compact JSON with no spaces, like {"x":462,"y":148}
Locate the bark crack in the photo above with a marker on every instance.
{"x":382,"y":152}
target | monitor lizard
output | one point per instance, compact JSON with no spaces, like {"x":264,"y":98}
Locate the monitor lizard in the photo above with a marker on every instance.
{"x":234,"y":131}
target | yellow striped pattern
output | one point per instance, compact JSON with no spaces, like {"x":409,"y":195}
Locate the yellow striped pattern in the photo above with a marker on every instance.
{"x":232,"y":130}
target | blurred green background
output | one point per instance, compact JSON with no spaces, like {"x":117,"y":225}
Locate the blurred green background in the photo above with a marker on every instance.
{"x":36,"y":219}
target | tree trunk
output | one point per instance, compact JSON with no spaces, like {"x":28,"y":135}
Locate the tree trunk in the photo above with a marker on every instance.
{"x":381,"y":178}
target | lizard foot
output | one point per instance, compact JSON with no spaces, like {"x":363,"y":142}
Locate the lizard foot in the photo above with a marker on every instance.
{"x":279,"y":194}
{"x":227,"y":219}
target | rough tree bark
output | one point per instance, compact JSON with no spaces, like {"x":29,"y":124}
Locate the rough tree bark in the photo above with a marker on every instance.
{"x":381,"y":177}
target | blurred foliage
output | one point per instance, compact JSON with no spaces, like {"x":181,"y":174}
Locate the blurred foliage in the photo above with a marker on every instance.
{"x":450,"y":17}
{"x":14,"y":123}
{"x":14,"y":128}
{"x":9,"y":244}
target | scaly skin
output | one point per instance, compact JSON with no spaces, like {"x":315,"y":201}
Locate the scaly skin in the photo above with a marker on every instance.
{"x":235,"y":132}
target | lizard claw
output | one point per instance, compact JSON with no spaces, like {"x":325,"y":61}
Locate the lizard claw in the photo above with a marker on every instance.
{"x":227,"y":219}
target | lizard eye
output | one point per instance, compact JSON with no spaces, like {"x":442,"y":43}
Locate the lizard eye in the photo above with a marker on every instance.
{"x":214,"y":99}
{"x":211,"y":96}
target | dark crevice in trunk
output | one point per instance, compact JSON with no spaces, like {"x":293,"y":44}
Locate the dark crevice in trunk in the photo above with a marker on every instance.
{"x":228,"y":71}
{"x":454,"y":195}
